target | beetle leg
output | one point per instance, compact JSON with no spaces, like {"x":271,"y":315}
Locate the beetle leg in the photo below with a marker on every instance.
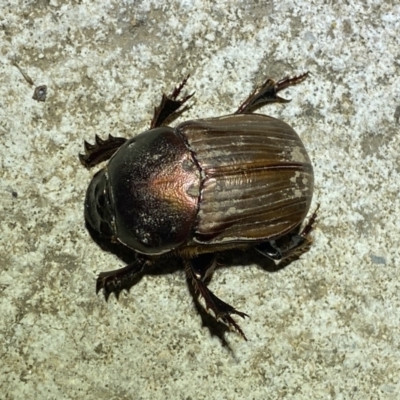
{"x":124,"y":278}
{"x":267,"y":93}
{"x":270,"y":250}
{"x":221,"y":309}
{"x":291,"y":246}
{"x":102,"y":150}
{"x":310,"y":225}
{"x":169,"y":105}
{"x":203,"y":266}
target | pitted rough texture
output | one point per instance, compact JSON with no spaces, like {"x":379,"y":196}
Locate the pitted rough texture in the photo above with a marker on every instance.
{"x":326,"y":326}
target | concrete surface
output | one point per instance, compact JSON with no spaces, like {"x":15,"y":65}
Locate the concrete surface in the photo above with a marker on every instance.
{"x":325,"y":327}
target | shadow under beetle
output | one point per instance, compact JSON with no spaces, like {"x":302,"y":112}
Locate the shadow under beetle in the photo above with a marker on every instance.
{"x":237,"y":181}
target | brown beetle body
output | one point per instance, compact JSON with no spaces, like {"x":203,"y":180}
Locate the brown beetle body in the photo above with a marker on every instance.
{"x":241,"y":180}
{"x":258,"y":179}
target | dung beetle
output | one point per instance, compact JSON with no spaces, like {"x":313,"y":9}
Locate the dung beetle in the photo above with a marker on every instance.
{"x":238,"y":181}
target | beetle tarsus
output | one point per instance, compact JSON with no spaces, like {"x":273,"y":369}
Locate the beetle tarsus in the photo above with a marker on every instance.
{"x":301,"y":242}
{"x":169,"y":105}
{"x":117,"y":280}
{"x":179,"y":88}
{"x":221,"y":309}
{"x":310,"y":224}
{"x":101,"y":151}
{"x":288,"y":81}
{"x":268,"y":91}
{"x":290,"y":247}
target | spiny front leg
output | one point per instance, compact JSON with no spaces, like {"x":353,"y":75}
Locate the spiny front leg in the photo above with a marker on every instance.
{"x":268,"y":93}
{"x":102,"y":150}
{"x":169,"y":105}
{"x":119,"y":279}
{"x":221,"y":310}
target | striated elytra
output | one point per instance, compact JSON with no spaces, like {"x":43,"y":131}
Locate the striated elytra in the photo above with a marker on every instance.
{"x":237,"y":181}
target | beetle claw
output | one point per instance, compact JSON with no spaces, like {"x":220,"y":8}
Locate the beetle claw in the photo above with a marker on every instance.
{"x":221,"y":310}
{"x":102,"y":150}
{"x":267,"y":93}
{"x":179,"y":88}
{"x":288,"y":81}
{"x":169,"y":105}
{"x":88,"y":146}
{"x":231,"y":322}
{"x":282,"y":100}
{"x":107,"y":295}
{"x":117,"y":280}
{"x":109,"y":285}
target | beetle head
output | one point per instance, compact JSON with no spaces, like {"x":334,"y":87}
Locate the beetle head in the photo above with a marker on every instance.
{"x":98,"y":209}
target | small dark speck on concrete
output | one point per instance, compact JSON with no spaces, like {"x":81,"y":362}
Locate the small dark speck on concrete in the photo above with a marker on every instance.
{"x":14,"y":194}
{"x":40,"y":93}
{"x":397,"y":114}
